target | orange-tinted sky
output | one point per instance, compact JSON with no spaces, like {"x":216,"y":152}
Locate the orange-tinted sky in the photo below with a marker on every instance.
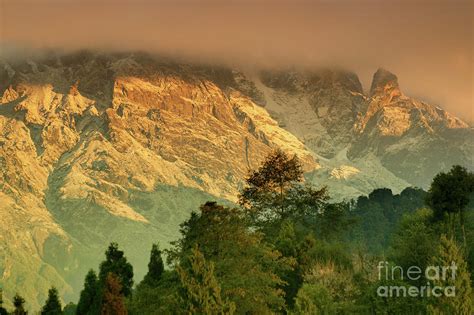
{"x":427,"y":43}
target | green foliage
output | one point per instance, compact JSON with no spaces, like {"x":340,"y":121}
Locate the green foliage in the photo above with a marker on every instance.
{"x":449,"y":192}
{"x":113,"y":302}
{"x":116,"y":263}
{"x":70,"y":309}
{"x":379,"y":214}
{"x":333,"y":222}
{"x":314,"y":251}
{"x":313,"y":299}
{"x":308,"y":253}
{"x":270,"y":181}
{"x":287,"y":243}
{"x":273,"y":192}
{"x":19,"y":304}
{"x":52,"y":305}
{"x":415,"y":241}
{"x":158,"y":290}
{"x":200,"y":292}
{"x":449,"y":196}
{"x":278,"y":204}
{"x":159,"y":299}
{"x":449,"y":255}
{"x":245,"y":266}
{"x":288,"y":250}
{"x":470,"y":237}
{"x":155,"y":267}
{"x":337,"y":281}
{"x":389,"y":303}
{"x":89,"y":301}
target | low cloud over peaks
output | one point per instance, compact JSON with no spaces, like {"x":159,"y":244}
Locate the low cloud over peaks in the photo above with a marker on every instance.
{"x":428,"y":44}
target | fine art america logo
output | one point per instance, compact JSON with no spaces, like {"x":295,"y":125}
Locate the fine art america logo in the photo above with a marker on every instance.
{"x":433,"y":274}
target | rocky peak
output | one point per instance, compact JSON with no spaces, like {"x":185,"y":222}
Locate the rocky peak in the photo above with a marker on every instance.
{"x":310,"y":81}
{"x":383,"y":80}
{"x":347,"y":80}
{"x":9,"y":95}
{"x":73,"y":90}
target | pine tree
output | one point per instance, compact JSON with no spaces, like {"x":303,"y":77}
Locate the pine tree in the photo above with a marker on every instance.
{"x":113,"y":299}
{"x":19,"y":304}
{"x":155,"y":267}
{"x":53,"y":305}
{"x":201,"y":293}
{"x":450,"y":255}
{"x":89,"y":300}
{"x":3,"y":311}
{"x":70,"y":309}
{"x":116,"y":263}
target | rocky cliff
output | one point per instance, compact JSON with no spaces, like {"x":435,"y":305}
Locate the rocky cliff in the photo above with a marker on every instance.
{"x":412,"y":139}
{"x":92,"y":145}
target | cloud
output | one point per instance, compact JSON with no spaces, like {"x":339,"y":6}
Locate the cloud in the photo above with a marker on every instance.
{"x":428,"y":44}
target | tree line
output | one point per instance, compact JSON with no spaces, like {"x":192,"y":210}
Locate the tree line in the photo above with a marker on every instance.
{"x":287,"y":249}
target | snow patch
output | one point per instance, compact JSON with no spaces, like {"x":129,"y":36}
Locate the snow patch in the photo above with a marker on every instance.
{"x":344,"y":172}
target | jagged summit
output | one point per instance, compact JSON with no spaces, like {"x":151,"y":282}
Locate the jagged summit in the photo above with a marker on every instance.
{"x":383,"y":80}
{"x":309,"y":81}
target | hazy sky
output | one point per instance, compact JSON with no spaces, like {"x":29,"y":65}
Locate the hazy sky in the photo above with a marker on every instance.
{"x":427,"y":43}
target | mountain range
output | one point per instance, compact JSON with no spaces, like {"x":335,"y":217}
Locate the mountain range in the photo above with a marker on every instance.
{"x":121,"y":147}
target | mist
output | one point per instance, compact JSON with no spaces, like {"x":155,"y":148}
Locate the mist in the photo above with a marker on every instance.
{"x":427,"y":44}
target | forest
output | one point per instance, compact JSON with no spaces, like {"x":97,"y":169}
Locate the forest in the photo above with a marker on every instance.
{"x":287,"y":248}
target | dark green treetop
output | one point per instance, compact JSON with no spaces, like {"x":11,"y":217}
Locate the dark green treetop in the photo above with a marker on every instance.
{"x":115,"y":262}
{"x":89,"y":300}
{"x":52,"y":305}
{"x":155,"y":267}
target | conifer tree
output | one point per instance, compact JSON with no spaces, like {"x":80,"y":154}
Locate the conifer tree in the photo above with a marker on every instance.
{"x":450,"y":255}
{"x":19,"y":304}
{"x":53,"y":305}
{"x":200,"y":292}
{"x":116,"y":263}
{"x":89,"y":300}
{"x":113,"y":299}
{"x":70,"y":309}
{"x":3,"y":311}
{"x":155,"y":267}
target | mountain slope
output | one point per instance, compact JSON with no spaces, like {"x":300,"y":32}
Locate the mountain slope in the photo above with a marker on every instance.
{"x":92,"y":145}
{"x":364,"y":141}
{"x":412,"y":139}
{"x":97,"y":148}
